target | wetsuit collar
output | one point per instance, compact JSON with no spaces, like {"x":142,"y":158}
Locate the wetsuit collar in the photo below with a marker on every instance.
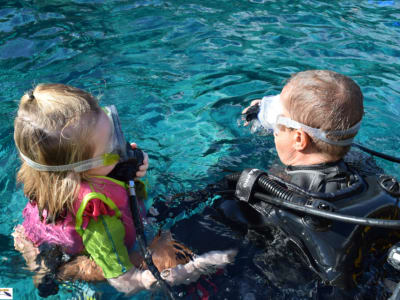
{"x":326,"y":177}
{"x":340,"y":164}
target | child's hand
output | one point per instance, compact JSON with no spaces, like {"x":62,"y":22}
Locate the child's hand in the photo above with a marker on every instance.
{"x":204,"y":264}
{"x":143,"y":168}
{"x":253,"y":103}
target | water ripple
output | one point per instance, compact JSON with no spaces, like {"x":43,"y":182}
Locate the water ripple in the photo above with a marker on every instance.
{"x":180,"y":72}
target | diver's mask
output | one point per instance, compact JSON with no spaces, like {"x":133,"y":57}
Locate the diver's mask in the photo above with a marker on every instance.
{"x":118,"y":151}
{"x":270,"y":115}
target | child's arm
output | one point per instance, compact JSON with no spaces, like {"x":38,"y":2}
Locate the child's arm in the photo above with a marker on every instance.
{"x":29,"y":253}
{"x":136,"y":280}
{"x":105,"y":243}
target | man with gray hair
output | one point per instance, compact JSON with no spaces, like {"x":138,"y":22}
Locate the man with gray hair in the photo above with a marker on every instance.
{"x":317,"y":198}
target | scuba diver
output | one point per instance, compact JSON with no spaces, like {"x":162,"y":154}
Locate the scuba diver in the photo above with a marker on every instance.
{"x":332,"y":205}
{"x":326,"y":203}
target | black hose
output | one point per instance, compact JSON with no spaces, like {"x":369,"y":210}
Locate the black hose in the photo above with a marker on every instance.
{"x":233,"y":177}
{"x":274,"y":189}
{"x":379,"y":154}
{"x":280,"y":196}
{"x":137,"y":220}
{"x":329,"y":215}
{"x":267,"y":185}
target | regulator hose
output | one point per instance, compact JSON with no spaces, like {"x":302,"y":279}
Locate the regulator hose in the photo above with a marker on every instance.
{"x":143,"y":242}
{"x":234,"y":177}
{"x":280,"y":196}
{"x":379,"y":154}
{"x":328,"y":214}
{"x":267,"y":185}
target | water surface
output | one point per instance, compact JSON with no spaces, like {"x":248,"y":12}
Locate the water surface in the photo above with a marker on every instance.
{"x":180,"y":72}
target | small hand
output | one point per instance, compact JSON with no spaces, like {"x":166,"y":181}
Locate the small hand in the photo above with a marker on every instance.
{"x":253,"y":103}
{"x":204,"y":264}
{"x":143,"y":168}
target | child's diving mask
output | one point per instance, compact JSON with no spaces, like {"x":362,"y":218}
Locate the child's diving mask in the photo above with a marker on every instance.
{"x":118,"y":150}
{"x":271,"y":116}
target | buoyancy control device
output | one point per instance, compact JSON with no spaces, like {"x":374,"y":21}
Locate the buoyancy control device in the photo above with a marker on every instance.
{"x":329,"y":229}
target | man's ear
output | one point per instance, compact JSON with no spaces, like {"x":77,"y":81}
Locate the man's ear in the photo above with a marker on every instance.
{"x":301,"y":140}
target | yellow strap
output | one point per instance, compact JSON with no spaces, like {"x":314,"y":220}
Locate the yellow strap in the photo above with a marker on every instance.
{"x":106,"y":200}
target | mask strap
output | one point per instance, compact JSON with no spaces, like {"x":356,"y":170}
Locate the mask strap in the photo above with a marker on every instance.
{"x":319,"y":134}
{"x":77,"y":167}
{"x":104,"y":160}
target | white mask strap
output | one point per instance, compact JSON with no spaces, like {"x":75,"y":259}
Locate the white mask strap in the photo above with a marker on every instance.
{"x":117,"y":146}
{"x":319,"y":134}
{"x":77,"y":167}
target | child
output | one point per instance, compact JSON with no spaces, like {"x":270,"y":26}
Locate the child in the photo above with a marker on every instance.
{"x":69,"y":145}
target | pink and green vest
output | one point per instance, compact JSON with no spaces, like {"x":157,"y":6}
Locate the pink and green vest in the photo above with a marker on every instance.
{"x":101,"y":225}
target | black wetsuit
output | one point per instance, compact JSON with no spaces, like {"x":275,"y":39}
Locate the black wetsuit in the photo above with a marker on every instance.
{"x":330,"y":249}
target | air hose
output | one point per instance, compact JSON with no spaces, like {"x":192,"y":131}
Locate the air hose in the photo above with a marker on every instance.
{"x":376,"y":153}
{"x":267,"y":185}
{"x":143,"y":242}
{"x":330,"y":215}
{"x":280,"y":196}
{"x":125,"y":171}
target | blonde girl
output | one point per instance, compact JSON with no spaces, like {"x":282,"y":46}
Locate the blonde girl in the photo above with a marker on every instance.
{"x":69,"y":147}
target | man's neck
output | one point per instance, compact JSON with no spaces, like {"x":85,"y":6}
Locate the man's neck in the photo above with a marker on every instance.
{"x":310,"y":159}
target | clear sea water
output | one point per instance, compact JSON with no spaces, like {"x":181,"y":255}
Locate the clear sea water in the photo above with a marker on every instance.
{"x":180,"y":72}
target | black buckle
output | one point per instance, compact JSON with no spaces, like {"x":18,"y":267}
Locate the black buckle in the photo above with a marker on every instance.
{"x":320,"y":204}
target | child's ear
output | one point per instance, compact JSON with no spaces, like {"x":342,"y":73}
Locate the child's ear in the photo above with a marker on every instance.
{"x":301,"y":140}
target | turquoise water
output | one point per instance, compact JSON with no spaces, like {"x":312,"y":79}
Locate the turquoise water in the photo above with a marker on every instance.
{"x":180,"y":72}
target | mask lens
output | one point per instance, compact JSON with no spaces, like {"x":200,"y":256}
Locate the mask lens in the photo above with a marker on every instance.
{"x":270,"y":109}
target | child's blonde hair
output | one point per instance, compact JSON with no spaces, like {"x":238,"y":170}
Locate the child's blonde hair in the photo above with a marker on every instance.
{"x":54,"y":126}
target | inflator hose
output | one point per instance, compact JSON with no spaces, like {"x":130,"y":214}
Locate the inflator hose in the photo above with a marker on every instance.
{"x":280,"y":196}
{"x":268,"y":185}
{"x":330,"y":215}
{"x":143,"y":242}
{"x":381,"y":155}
